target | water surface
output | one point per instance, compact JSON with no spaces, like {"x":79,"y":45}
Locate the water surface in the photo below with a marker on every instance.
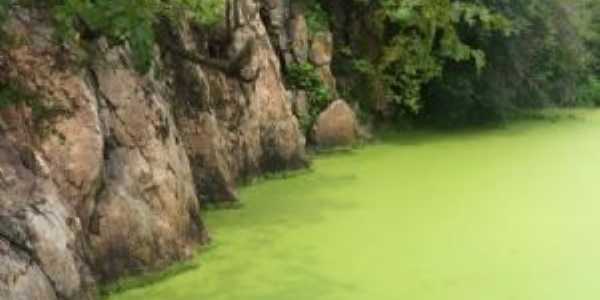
{"x":511,"y":213}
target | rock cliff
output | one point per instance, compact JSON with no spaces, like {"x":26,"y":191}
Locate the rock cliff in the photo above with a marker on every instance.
{"x":103,"y":171}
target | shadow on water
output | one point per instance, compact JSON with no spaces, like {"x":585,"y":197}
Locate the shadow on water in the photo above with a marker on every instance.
{"x":282,"y":209}
{"x":148,"y":279}
{"x":518,"y":126}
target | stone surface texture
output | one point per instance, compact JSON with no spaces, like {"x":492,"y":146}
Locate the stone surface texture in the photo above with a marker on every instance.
{"x":103,"y":173}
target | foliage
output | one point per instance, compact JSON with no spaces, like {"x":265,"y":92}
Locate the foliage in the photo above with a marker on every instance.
{"x":4,"y":10}
{"x":452,"y":62}
{"x":590,"y":20}
{"x":4,"y":6}
{"x":540,"y":65}
{"x":317,"y":19}
{"x":459,"y":98}
{"x":460,"y":62}
{"x":3,"y":17}
{"x":130,"y":21}
{"x":123,"y":21}
{"x":304,"y":77}
{"x":589,"y":93}
{"x":13,"y":94}
{"x":206,"y":12}
{"x":418,"y":38}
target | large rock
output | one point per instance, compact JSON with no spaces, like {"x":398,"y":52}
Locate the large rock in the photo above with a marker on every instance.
{"x":336,"y":126}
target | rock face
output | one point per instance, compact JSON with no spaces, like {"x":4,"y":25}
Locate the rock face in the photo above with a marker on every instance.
{"x":321,"y":49}
{"x":103,"y":171}
{"x":20,"y":278}
{"x":300,"y":105}
{"x":96,"y":179}
{"x":41,"y":254}
{"x":303,"y":46}
{"x":146,"y":211}
{"x":299,"y":36}
{"x":242,"y":125}
{"x":336,"y":126}
{"x":321,"y":56}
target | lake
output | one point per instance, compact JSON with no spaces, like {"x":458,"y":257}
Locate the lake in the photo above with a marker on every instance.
{"x":507,"y":213}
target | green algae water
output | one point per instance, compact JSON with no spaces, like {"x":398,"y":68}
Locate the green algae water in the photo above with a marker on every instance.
{"x":511,"y":213}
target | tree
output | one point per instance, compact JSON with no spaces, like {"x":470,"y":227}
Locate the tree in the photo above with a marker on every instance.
{"x":416,"y":39}
{"x":541,"y":64}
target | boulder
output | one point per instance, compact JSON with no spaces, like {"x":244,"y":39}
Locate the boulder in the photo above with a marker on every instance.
{"x":336,"y":126}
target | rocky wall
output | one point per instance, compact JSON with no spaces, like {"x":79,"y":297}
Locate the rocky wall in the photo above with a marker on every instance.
{"x":103,"y":170}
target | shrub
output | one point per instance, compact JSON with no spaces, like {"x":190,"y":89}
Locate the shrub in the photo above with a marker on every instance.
{"x":317,"y":19}
{"x":12,"y":93}
{"x":305,"y":77}
{"x":589,"y":93}
{"x":121,"y":21}
{"x":401,"y":46}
